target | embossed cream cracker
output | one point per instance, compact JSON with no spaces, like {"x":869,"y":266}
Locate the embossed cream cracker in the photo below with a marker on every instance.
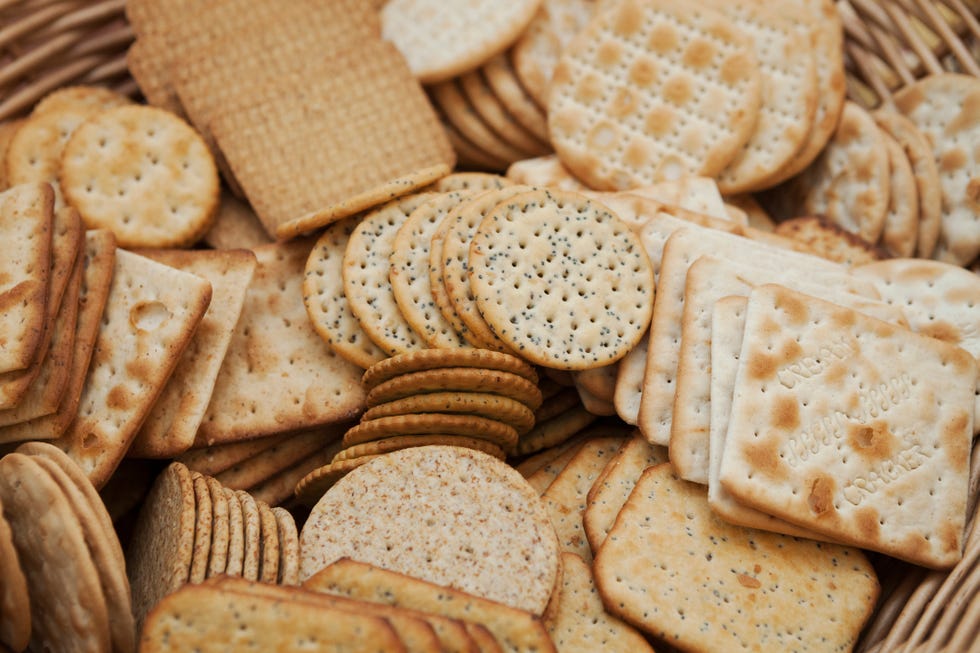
{"x":851,"y":427}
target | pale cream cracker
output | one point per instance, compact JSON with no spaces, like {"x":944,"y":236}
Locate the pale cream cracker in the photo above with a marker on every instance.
{"x":505,"y":85}
{"x":288,"y":547}
{"x":495,"y":116}
{"x":559,"y":455}
{"x":683,"y":247}
{"x":869,"y":445}
{"x":902,"y":220}
{"x":459,"y":113}
{"x":708,"y":280}
{"x":593,"y":403}
{"x":544,"y":171}
{"x":629,"y":382}
{"x":172,"y":424}
{"x":278,"y":376}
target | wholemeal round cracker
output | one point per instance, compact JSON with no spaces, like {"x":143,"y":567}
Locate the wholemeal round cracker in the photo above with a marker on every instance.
{"x":97,"y":98}
{"x":220,"y":528}
{"x":471,"y":181}
{"x":158,"y":560}
{"x":66,"y":599}
{"x":441,"y":40}
{"x":460,"y":379}
{"x":453,"y":263}
{"x":481,"y":404}
{"x":919,"y":154}
{"x":409,"y":274}
{"x":491,"y":110}
{"x":288,"y":547}
{"x":502,"y":79}
{"x":326,"y":302}
{"x":451,"y":516}
{"x":142,"y":173}
{"x":458,"y":112}
{"x":202,"y":529}
{"x":15,"y":606}
{"x":944,"y":108}
{"x":312,"y":486}
{"x":435,"y":424}
{"x":236,"y":534}
{"x":430,"y":359}
{"x":399,"y":442}
{"x":618,"y":119}
{"x":902,"y":219}
{"x":562,"y":301}
{"x":269,"y":567}
{"x":252,"y":527}
{"x":366,"y":282}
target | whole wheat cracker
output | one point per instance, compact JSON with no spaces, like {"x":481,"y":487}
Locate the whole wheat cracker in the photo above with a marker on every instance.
{"x":172,"y":424}
{"x":456,"y":109}
{"x":278,"y":375}
{"x":902,"y":220}
{"x":430,"y":359}
{"x":269,"y":565}
{"x":252,"y":529}
{"x":288,"y":547}
{"x":461,"y":379}
{"x":235,"y":226}
{"x":503,"y":81}
{"x":482,"y":404}
{"x":315,"y":484}
{"x":15,"y":622}
{"x":220,"y":528}
{"x":236,"y":534}
{"x":433,"y":424}
{"x":203,"y":521}
{"x":280,"y":488}
{"x":149,"y":62}
{"x":629,"y":382}
{"x":495,"y":116}
{"x":399,"y":442}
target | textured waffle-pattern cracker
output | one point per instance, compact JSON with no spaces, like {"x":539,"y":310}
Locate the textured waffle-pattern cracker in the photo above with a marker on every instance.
{"x":148,"y":61}
{"x":653,"y":90}
{"x":278,"y":375}
{"x":852,"y":427}
{"x":766,"y":591}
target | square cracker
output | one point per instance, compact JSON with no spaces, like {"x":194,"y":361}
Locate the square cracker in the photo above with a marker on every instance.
{"x":26,"y":215}
{"x":172,"y":424}
{"x":852,"y":427}
{"x":278,"y":375}
{"x":148,"y":321}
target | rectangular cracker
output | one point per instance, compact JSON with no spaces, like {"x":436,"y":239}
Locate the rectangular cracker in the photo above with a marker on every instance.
{"x":278,"y":375}
{"x":541,"y":478}
{"x":683,"y":247}
{"x":173,"y":422}
{"x":149,"y":319}
{"x":99,"y":255}
{"x":695,"y":194}
{"x":852,"y":427}
{"x":149,"y":60}
{"x":629,"y":382}
{"x":26,"y":216}
{"x":708,"y":279}
{"x":212,"y":460}
{"x":516,"y":630}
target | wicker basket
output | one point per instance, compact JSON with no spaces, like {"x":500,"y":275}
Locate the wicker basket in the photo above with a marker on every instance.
{"x":46,"y":44}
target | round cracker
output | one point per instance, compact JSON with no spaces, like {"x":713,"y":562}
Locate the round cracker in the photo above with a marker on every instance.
{"x":562,"y":300}
{"x":326,"y":303}
{"x":144,"y":174}
{"x":202,"y":529}
{"x":619,"y":120}
{"x":430,"y":359}
{"x":220,"y":528}
{"x":503,"y":82}
{"x":482,"y":404}
{"x":288,"y":547}
{"x":399,"y":442}
{"x":448,"y":515}
{"x":96,"y":98}
{"x":15,"y":606}
{"x":491,"y":110}
{"x":468,"y":154}
{"x":442,"y":40}
{"x":7,"y":131}
{"x":269,"y":567}
{"x":66,"y":599}
{"x":461,"y":379}
{"x":460,"y":114}
{"x":435,"y":424}
{"x":312,"y":486}
{"x":252,"y":522}
{"x":236,"y":534}
{"x":902,"y":220}
{"x":471,"y":181}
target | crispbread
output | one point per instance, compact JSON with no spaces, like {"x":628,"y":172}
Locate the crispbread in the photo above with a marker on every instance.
{"x":869,"y":445}
{"x":508,"y":89}
{"x":821,"y":237}
{"x":202,"y":529}
{"x":399,"y":442}
{"x":482,"y":404}
{"x":220,"y":528}
{"x":582,"y":623}
{"x":288,"y":547}
{"x":252,"y":536}
{"x":430,"y":359}
{"x":517,"y":630}
{"x":278,"y":375}
{"x":172,"y":424}
{"x":536,"y":280}
{"x":480,"y":516}
{"x":460,"y":379}
{"x":269,"y":533}
{"x":441,"y":41}
{"x":216,"y":459}
{"x":15,"y":611}
{"x":496,"y":117}
{"x":629,"y":382}
{"x":754,"y":600}
{"x":617,"y":122}
{"x":943,"y":107}
{"x":565,"y":498}
{"x":150,"y":317}
{"x":409,"y":271}
{"x":235,"y":226}
{"x":365,"y":272}
{"x":326,"y":302}
{"x":158,"y":560}
{"x":556,"y":430}
{"x":435,"y":424}
{"x":236,"y":534}
{"x":281,"y":455}
{"x":26,"y":216}
{"x":66,"y":598}
{"x":902,"y":219}
{"x":143,"y":173}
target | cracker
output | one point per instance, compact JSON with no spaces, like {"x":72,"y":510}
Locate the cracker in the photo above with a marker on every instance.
{"x":288,"y":547}
{"x":902,"y":220}
{"x":280,"y":456}
{"x":482,"y":517}
{"x":149,"y":63}
{"x":442,"y":41}
{"x":565,"y":498}
{"x":313,"y":485}
{"x":458,"y":112}
{"x":366,"y":283}
{"x":929,"y":191}
{"x":600,"y":381}
{"x":409,"y":272}
{"x":594,"y":404}
{"x":542,"y":477}
{"x":26,"y":217}
{"x":220,"y":528}
{"x":280,"y":488}
{"x":430,"y":359}
{"x":172,"y":425}
{"x":326,"y":302}
{"x":555,"y":430}
{"x":535,"y":462}
{"x":503,"y":81}
{"x":516,"y":630}
{"x":582,"y":623}
{"x":875,"y":447}
{"x":15,"y":622}
{"x":561,"y":401}
{"x":278,"y":375}
{"x":66,"y":598}
{"x":825,"y":239}
{"x":7,"y":130}
{"x":202,"y":529}
{"x":158,"y":560}
{"x":942,"y":107}
{"x":612,"y":488}
{"x":617,"y":122}
{"x":434,"y":424}
{"x":496,"y":117}
{"x":399,"y":442}
{"x":252,"y":530}
{"x":481,"y":404}
{"x":269,"y":566}
{"x":849,"y":183}
{"x":236,"y":534}
{"x":754,"y":577}
{"x":544,"y":171}
{"x":150,"y":317}
{"x":470,"y":181}
{"x":460,"y":379}
{"x":214,"y":460}
{"x":629,"y":382}
{"x":468,"y":154}
{"x":235,"y":226}
{"x":452,"y":262}
{"x":551,"y":313}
